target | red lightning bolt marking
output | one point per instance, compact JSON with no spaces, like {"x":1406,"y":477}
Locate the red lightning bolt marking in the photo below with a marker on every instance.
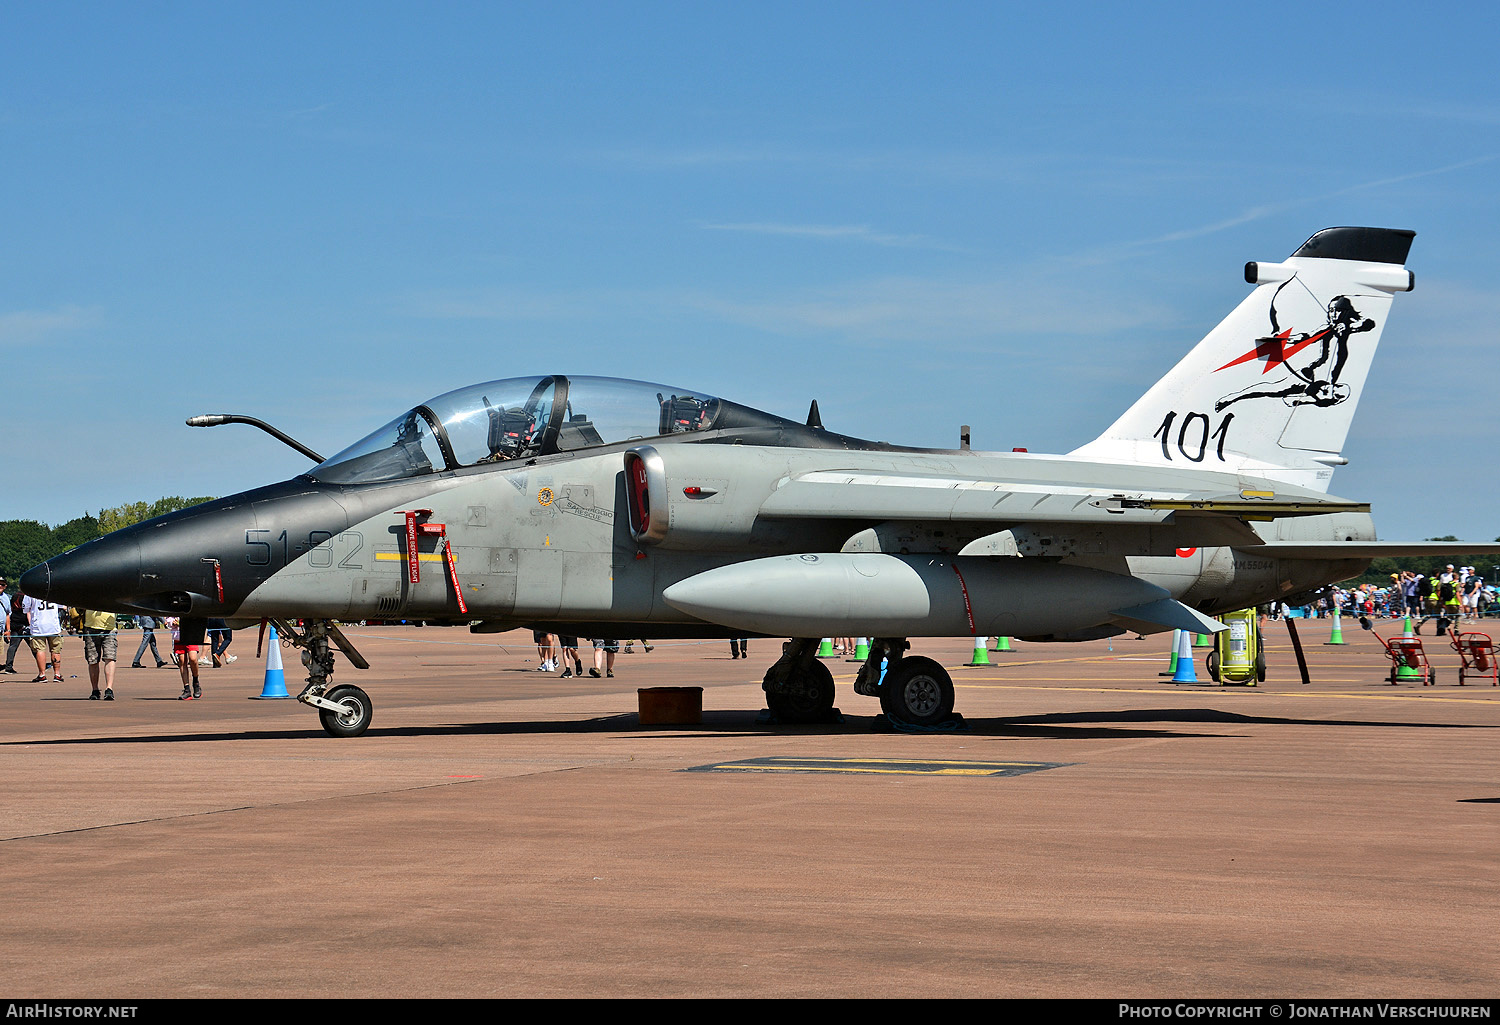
{"x":1274,"y":350}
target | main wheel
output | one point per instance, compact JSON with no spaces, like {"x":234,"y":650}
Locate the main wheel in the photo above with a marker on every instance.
{"x":813,"y":701}
{"x":355,"y":718}
{"x":918,"y":691}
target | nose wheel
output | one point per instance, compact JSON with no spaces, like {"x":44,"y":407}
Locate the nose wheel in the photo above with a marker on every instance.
{"x":354,"y":715}
{"x":345,"y":710}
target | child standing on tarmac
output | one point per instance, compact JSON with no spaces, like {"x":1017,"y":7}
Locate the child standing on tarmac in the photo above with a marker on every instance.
{"x":187,"y":638}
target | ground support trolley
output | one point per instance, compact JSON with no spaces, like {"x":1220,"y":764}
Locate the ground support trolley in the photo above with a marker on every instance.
{"x":1476,"y":653}
{"x":1407,"y":653}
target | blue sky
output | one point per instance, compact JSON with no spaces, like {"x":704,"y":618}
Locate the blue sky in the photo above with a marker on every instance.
{"x":1012,"y":216}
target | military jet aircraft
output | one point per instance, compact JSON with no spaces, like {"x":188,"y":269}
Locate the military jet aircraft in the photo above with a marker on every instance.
{"x":612,"y":508}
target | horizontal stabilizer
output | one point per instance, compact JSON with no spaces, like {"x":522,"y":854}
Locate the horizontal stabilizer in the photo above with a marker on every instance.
{"x":1165,"y":612}
{"x":1371,"y":549}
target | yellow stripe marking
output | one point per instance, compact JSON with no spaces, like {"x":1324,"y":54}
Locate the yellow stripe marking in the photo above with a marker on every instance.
{"x":879,"y":766}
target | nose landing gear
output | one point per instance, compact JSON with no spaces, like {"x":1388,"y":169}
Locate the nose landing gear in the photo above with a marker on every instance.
{"x":345,"y":710}
{"x":354,"y":718}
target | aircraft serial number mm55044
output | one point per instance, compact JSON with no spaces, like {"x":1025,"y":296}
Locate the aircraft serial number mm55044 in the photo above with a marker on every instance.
{"x":611,"y":508}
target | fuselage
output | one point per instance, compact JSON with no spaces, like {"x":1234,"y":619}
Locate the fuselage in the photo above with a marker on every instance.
{"x":549,"y":539}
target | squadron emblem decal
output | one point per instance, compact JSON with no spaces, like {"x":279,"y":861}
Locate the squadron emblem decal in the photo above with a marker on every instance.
{"x":1314,"y":382}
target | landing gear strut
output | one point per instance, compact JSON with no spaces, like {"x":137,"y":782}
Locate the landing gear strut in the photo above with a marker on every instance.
{"x":345,"y":710}
{"x":799,"y":688}
{"x":916,"y":690}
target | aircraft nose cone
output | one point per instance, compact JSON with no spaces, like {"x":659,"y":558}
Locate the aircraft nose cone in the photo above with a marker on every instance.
{"x":36,"y":581}
{"x":99,"y":575}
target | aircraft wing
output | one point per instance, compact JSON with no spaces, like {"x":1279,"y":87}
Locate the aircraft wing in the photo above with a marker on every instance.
{"x":1369,"y":549}
{"x":845,"y":494}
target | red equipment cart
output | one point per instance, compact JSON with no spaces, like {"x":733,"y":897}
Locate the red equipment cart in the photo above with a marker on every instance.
{"x":1407,"y":653}
{"x":1476,"y":653}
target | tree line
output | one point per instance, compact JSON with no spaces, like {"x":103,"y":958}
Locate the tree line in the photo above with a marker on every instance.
{"x":1380,"y":570}
{"x":24,"y":543}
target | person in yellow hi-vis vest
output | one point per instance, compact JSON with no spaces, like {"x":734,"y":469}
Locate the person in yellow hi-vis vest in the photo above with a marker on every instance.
{"x":1448,"y":597}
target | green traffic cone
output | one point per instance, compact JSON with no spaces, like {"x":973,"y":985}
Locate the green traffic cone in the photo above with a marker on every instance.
{"x":981,"y":652}
{"x":861,"y":649}
{"x":1202,"y":641}
{"x":1404,"y":671}
{"x":825,"y":650}
{"x":1337,"y":636}
{"x":1172,"y":665}
{"x":1002,"y":644}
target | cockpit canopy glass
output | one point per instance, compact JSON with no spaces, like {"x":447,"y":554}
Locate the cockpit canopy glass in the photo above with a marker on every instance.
{"x":518,"y":418}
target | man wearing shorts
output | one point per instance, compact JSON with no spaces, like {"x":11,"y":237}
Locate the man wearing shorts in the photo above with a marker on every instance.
{"x":544,"y":651}
{"x":1469,"y":594}
{"x":570,"y":658}
{"x":99,"y":646}
{"x":1411,"y":589}
{"x":604,"y":657}
{"x":46,"y":636}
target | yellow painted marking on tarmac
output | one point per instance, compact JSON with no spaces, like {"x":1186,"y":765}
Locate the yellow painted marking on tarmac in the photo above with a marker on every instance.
{"x":912,"y":761}
{"x":878,"y":766}
{"x":868,"y":771}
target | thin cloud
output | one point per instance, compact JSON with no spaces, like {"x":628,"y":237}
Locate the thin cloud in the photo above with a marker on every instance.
{"x":27,"y":327}
{"x":1257,"y":212}
{"x":945,"y":165}
{"x":915,"y":310}
{"x":889,"y":310}
{"x":705,"y":156}
{"x":307,"y":112}
{"x":839,"y":233}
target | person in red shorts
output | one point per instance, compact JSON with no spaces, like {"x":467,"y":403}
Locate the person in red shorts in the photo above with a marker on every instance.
{"x":187,"y":638}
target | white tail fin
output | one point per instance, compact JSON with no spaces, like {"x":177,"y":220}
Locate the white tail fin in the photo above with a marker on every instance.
{"x":1271,"y":391}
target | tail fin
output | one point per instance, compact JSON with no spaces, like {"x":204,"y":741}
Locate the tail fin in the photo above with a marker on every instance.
{"x":1272,"y":389}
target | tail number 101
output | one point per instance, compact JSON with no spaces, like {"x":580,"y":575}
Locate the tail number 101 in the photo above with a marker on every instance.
{"x":1192,"y":436}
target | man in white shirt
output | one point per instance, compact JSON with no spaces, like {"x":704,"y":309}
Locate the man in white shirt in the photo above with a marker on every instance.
{"x":46,"y":635}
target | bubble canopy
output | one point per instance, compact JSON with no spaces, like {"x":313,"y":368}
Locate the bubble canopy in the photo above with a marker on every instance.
{"x":518,"y":418}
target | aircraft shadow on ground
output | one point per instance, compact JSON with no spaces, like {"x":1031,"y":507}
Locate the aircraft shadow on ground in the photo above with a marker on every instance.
{"x":1098,"y":725}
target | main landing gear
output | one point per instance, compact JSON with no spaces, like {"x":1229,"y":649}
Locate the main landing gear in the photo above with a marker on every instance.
{"x":915,"y":690}
{"x":799,"y":688}
{"x":345,"y":710}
